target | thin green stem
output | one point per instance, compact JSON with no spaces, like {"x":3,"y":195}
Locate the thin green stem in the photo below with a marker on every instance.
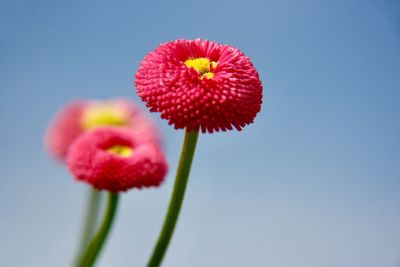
{"x":95,"y":245}
{"x":91,"y":219}
{"x":175,"y":204}
{"x":92,"y":214}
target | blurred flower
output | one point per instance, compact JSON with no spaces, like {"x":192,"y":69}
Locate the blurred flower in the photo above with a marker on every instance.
{"x":200,"y":85}
{"x":116,"y":159}
{"x":81,"y":116}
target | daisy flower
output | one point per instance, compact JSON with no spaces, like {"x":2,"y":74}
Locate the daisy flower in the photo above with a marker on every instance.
{"x":116,"y":159}
{"x":200,"y":85}
{"x":197,"y":85}
{"x":81,"y":116}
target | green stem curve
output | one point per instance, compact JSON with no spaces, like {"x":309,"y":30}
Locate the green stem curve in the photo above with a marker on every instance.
{"x":175,"y":204}
{"x":95,"y":245}
{"x":92,"y":214}
{"x":91,"y":218}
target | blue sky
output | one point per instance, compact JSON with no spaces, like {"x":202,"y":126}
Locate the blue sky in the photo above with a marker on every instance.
{"x":313,"y":182}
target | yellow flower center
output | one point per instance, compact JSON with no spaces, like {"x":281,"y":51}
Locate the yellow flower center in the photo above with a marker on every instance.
{"x":102,"y":114}
{"x":202,"y":65}
{"x":122,"y":151}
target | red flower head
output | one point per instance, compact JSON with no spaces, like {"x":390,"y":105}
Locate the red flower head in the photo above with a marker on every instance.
{"x":116,"y":159}
{"x":81,"y":116}
{"x":200,"y":85}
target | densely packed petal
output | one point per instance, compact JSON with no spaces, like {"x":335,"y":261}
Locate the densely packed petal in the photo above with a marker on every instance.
{"x":116,"y":159}
{"x":200,"y":85}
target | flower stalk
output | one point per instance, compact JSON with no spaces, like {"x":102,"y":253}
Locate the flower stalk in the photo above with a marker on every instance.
{"x":94,"y":247}
{"x":91,"y":219}
{"x":92,"y":213}
{"x":175,"y":204}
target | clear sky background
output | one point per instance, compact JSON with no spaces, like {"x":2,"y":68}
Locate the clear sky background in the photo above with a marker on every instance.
{"x":314,"y":182}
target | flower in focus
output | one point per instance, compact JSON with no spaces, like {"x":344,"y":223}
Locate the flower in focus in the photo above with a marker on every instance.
{"x":116,"y":159}
{"x":200,"y":85}
{"x":81,"y":116}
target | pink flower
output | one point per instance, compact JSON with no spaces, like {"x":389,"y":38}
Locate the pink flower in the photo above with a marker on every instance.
{"x":200,"y":85}
{"x":81,"y":116}
{"x":116,"y":159}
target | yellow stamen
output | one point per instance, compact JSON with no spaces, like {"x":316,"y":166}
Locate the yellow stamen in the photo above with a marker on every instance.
{"x":122,"y":151}
{"x":202,"y":65}
{"x":208,"y":75}
{"x":102,"y":114}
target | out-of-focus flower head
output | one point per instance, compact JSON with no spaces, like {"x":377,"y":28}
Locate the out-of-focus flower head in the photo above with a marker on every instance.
{"x":200,"y":85}
{"x":81,"y":116}
{"x":116,"y":159}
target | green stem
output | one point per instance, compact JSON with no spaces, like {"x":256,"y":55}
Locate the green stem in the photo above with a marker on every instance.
{"x":175,"y":204}
{"x":91,"y":219}
{"x":92,"y":214}
{"x":95,"y":245}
